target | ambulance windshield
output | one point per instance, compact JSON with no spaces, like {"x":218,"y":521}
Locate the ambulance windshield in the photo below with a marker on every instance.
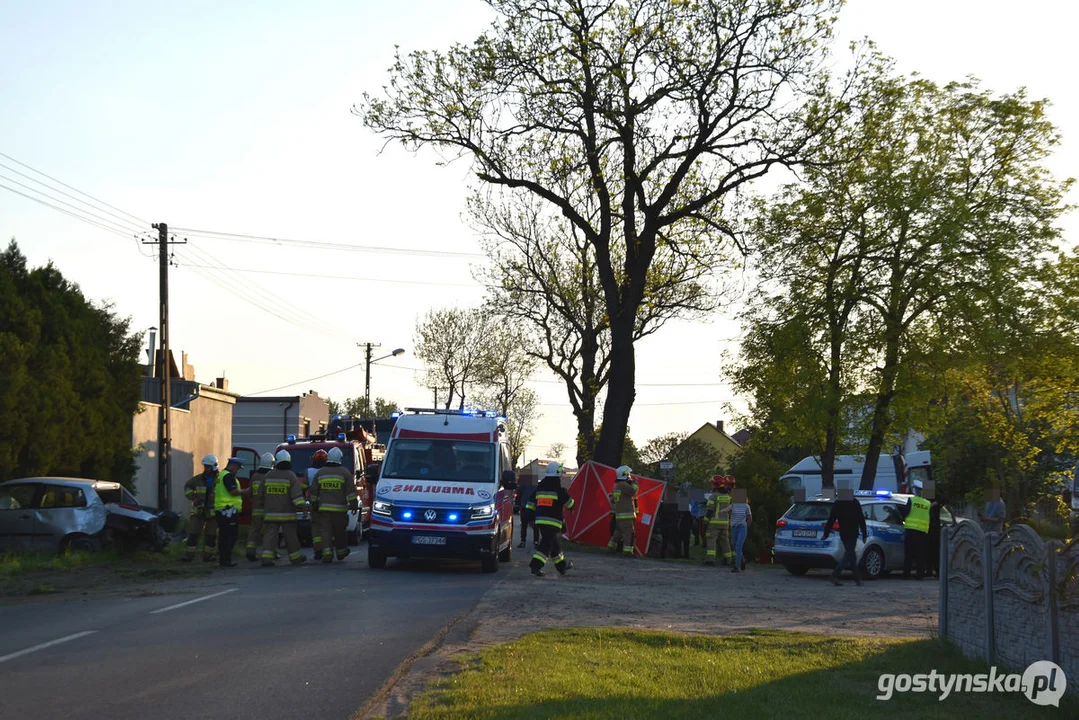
{"x":423,"y":459}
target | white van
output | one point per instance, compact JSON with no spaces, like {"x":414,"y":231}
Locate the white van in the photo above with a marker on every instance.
{"x":445,"y":490}
{"x":894,"y":473}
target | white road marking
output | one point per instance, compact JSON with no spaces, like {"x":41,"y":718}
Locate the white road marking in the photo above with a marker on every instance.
{"x":42,"y":646}
{"x":192,"y":602}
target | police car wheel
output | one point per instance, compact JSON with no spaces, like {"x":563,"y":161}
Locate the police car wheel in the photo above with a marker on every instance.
{"x":797,"y":569}
{"x":872,"y":563}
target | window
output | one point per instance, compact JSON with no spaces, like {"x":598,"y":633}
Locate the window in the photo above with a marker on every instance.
{"x":62,"y":496}
{"x":17,"y":497}
{"x":422,"y":459}
{"x":810,"y":511}
{"x":251,"y":461}
{"x":792,"y":482}
{"x":887,"y":513}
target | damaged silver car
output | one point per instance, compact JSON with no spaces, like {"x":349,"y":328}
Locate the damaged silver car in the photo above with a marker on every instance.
{"x":52,"y":514}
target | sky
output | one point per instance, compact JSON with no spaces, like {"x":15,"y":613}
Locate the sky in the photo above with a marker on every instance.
{"x":235,"y":118}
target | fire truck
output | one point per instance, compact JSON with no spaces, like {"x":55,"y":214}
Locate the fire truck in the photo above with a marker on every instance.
{"x":358,"y":450}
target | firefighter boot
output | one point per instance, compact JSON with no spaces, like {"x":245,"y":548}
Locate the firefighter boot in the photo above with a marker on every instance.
{"x":342,"y":554}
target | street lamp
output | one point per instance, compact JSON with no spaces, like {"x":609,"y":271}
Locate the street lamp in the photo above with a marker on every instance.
{"x":367,"y":385}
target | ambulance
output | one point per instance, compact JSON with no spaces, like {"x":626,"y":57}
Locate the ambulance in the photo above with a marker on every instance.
{"x":445,"y":490}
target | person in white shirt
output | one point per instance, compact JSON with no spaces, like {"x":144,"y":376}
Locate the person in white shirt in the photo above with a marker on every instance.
{"x":741,"y":519}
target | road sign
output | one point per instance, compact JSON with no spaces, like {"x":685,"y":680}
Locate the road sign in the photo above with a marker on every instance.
{"x":666,"y":465}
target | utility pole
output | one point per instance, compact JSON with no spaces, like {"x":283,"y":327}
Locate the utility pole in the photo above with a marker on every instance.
{"x":163,"y":370}
{"x":367,"y":384}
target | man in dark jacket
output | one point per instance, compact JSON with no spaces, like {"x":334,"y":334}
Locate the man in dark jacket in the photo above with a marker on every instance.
{"x":528,"y":517}
{"x":847,"y":511}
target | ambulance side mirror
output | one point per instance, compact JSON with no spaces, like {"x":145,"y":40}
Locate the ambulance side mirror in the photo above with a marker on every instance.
{"x":509,"y":479}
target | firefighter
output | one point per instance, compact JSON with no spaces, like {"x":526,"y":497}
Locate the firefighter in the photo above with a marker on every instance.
{"x":254,"y":532}
{"x":200,"y":491}
{"x":281,"y":496}
{"x":719,"y":523}
{"x":318,"y":460}
{"x":548,"y":504}
{"x":623,"y":501}
{"x":333,"y":494}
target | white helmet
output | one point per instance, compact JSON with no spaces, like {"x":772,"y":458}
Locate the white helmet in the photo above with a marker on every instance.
{"x":555,"y":469}
{"x":283,"y":456}
{"x":266,"y":460}
{"x":624,"y":472}
{"x":210,"y":460}
{"x":334,"y":455}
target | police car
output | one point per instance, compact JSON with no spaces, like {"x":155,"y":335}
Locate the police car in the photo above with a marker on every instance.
{"x":799,"y":545}
{"x":445,"y":490}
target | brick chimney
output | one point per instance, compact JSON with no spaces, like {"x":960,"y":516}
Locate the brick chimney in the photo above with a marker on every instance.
{"x":719,"y":425}
{"x":222,"y":383}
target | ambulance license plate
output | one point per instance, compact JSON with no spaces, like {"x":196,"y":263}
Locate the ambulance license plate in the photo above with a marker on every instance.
{"x":428,"y":540}
{"x":804,"y":533}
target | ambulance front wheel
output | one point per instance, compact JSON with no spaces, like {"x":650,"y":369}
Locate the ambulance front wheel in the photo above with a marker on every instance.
{"x":376,"y":559}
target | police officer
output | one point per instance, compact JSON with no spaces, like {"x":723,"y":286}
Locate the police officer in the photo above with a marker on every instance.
{"x":282,"y":496}
{"x":718,"y":522}
{"x":333,"y":494}
{"x":254,"y":532}
{"x":548,"y":504}
{"x":200,"y":491}
{"x":228,"y":503}
{"x":622,"y":502}
{"x":915,"y":532}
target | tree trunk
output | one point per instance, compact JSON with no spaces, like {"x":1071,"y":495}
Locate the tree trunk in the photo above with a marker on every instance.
{"x":831,"y":433}
{"x":881,"y":408}
{"x":586,"y":432}
{"x":620,"y":394}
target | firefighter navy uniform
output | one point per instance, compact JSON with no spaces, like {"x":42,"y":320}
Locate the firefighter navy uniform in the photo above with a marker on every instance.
{"x":550,"y":501}
{"x":622,"y":499}
{"x":201,"y":523}
{"x":333,"y":495}
{"x":282,"y":497}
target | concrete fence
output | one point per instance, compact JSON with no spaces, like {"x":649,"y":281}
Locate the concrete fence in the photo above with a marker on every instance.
{"x":1010,"y":599}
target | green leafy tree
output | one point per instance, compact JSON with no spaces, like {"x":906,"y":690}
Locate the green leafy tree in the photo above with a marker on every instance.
{"x":71,"y":378}
{"x":634,"y":120}
{"x":694,"y":461}
{"x":383,"y":408}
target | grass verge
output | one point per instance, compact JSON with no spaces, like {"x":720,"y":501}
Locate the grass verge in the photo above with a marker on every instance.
{"x":615,"y":673}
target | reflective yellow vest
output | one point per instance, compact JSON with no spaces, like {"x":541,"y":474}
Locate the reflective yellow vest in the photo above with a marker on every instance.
{"x":918,"y":519}
{"x":717,"y":503}
{"x":222,"y":498}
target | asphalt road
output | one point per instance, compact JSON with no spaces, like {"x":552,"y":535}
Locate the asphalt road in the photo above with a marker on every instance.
{"x":305,"y":642}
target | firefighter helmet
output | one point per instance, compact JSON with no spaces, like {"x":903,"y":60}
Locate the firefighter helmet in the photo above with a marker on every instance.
{"x":266,"y":460}
{"x":555,"y":469}
{"x":718,"y":481}
{"x":283,"y":456}
{"x":319,"y":458}
{"x":729,"y":482}
{"x":623,"y":472}
{"x":210,"y":460}
{"x":334,"y":455}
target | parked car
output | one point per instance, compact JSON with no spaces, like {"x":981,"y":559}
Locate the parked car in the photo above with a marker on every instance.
{"x":54,"y":514}
{"x":799,"y":547}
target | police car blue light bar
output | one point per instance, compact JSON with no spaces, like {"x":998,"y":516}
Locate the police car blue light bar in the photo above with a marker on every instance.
{"x":395,"y":414}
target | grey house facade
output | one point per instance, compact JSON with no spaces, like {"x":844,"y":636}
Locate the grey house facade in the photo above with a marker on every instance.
{"x":261,"y":423}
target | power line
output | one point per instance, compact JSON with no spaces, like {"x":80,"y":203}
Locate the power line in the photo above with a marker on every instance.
{"x":134,"y":217}
{"x":96,"y":209}
{"x":322,"y":245}
{"x":301,"y":382}
{"x":104,"y":221}
{"x":96,"y":223}
{"x":660,"y":404}
{"x":344,"y":277}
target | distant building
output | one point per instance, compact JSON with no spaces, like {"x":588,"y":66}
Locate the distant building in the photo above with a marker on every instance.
{"x":716,"y":437}
{"x":262,"y":423}
{"x":201,"y":423}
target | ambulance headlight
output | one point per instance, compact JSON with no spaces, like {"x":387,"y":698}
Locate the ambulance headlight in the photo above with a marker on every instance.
{"x":381,"y":507}
{"x":483,"y":512}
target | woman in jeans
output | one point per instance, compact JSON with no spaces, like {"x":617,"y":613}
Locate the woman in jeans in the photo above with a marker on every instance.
{"x":741,"y":519}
